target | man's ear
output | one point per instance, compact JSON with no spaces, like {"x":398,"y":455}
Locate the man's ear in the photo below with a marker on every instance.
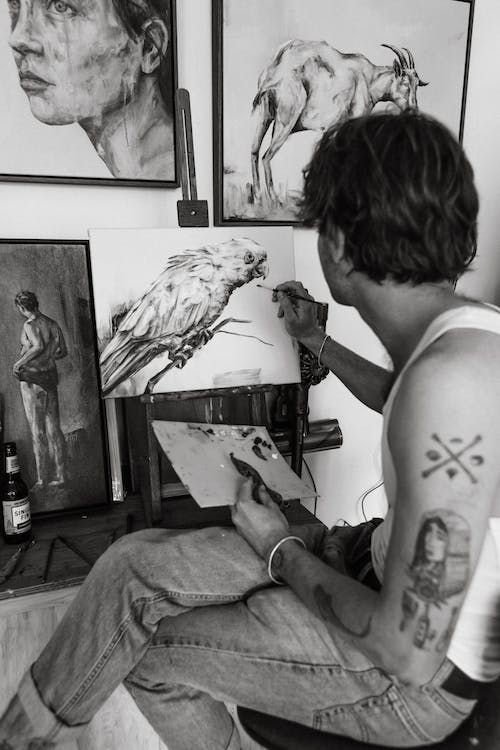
{"x":155,"y":44}
{"x":336,"y":240}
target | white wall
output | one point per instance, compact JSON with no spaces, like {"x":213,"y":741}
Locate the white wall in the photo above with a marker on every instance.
{"x":482,"y":141}
{"x":56,"y":211}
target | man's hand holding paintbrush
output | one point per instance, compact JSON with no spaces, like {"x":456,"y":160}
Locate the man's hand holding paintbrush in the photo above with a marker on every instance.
{"x":299,"y":311}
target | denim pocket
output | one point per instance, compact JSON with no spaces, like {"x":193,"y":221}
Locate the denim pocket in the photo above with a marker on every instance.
{"x":452,"y":705}
{"x":372,"y":719}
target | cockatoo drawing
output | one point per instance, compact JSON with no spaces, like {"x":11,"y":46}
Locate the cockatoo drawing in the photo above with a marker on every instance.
{"x":175,"y":314}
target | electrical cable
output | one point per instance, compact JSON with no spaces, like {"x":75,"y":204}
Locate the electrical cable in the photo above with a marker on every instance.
{"x":344,"y":522}
{"x":362,"y":498}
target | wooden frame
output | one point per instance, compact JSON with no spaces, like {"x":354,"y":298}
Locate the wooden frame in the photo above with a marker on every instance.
{"x":88,"y":147}
{"x":53,"y":409}
{"x":248,"y":37}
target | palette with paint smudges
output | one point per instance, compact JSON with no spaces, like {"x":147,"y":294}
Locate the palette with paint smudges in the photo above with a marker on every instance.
{"x":200,"y":455}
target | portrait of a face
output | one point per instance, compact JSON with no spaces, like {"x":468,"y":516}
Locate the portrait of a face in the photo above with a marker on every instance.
{"x":104,"y":66}
{"x":435,"y":541}
{"x":440,"y":561}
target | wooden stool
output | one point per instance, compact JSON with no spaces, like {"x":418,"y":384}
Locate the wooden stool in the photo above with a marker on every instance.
{"x":481,"y":731}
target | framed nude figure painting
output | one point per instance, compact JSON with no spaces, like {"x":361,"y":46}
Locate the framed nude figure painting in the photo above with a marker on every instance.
{"x":88,"y":91}
{"x":48,"y":377}
{"x":285,"y":71}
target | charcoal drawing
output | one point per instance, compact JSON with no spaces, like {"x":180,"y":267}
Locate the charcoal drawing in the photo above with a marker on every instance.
{"x":180,"y":309}
{"x":312,"y":86}
{"x":288,"y":70}
{"x":105,"y":66}
{"x":174,"y":316}
{"x":42,"y":345}
{"x":49,"y":375}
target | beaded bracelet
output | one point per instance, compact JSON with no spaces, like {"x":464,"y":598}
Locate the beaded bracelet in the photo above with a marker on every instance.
{"x":274,"y":549}
{"x":320,"y":353}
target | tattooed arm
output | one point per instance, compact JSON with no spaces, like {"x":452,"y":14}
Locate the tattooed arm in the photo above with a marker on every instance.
{"x":443,"y":436}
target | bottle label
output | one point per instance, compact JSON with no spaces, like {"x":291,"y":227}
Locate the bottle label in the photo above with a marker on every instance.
{"x":11,"y":464}
{"x":16,"y":515}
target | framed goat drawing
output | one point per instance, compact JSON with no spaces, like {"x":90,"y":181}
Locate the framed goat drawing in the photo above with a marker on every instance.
{"x":285,"y":71}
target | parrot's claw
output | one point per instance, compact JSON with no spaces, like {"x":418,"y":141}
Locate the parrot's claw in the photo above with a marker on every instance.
{"x":205,"y":336}
{"x":183,"y":356}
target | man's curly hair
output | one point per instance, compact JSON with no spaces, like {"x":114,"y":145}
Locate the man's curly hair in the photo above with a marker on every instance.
{"x":401,"y":190}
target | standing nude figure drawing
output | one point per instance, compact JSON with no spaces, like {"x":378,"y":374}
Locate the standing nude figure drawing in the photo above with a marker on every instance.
{"x":42,"y":344}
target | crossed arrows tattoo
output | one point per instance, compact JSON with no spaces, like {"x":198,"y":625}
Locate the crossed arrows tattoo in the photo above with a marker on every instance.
{"x":453,"y":460}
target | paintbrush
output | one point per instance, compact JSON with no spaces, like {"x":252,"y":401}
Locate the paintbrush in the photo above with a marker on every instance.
{"x":293,"y":295}
{"x":48,"y":560}
{"x":11,"y":563}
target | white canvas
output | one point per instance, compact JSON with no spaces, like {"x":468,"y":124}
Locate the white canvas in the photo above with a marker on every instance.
{"x":125,"y":263}
{"x":201,"y":456}
{"x":435,"y":31}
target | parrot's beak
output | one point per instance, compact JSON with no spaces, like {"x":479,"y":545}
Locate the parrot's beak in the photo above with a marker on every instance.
{"x":261,"y":269}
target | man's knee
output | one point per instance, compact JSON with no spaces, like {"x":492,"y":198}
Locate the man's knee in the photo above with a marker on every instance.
{"x":120,"y":560}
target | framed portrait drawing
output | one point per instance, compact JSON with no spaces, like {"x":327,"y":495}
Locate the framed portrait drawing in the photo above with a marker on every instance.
{"x":285,"y":71}
{"x":88,"y":92}
{"x":49,"y":377}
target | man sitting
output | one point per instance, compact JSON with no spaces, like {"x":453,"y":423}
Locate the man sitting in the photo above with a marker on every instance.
{"x":392,"y":655}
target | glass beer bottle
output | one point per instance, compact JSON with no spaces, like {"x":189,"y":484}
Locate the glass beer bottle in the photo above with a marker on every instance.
{"x":16,"y":510}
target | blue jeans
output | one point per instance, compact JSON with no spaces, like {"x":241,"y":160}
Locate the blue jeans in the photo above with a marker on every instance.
{"x":188,"y":621}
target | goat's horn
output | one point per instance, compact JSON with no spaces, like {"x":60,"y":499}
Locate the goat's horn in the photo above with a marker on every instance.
{"x":402,"y":59}
{"x":411,"y":59}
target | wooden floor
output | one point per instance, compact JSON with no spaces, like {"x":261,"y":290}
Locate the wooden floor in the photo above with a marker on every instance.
{"x":30,"y":609}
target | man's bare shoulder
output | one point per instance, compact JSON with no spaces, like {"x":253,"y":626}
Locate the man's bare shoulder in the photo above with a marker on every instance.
{"x":448,"y":400}
{"x":464,"y":359}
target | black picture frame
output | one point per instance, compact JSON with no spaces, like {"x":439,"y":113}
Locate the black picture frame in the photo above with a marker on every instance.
{"x":56,"y":418}
{"x":234,"y":188}
{"x":22,"y":131}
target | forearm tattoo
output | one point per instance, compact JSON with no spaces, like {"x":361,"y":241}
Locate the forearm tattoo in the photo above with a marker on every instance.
{"x":439,"y":570}
{"x":324,"y":604}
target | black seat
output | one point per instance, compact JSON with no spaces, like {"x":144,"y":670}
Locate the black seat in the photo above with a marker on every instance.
{"x":480,"y":731}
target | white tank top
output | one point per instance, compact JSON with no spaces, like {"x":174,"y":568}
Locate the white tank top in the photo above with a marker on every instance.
{"x":475,"y":644}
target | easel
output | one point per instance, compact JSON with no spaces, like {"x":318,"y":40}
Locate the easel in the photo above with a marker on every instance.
{"x":191,"y":212}
{"x":194,"y":213}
